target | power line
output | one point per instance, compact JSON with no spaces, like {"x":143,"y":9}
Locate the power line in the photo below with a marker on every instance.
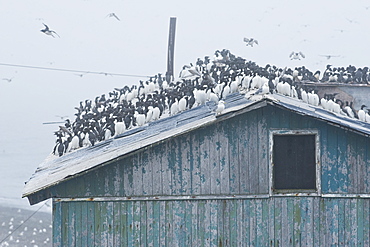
{"x":24,"y":222}
{"x":70,"y":70}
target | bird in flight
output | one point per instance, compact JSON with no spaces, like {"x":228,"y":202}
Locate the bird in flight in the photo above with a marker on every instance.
{"x":113,"y":15}
{"x":8,"y":79}
{"x":47,"y":31}
{"x":329,"y":56}
{"x":250,"y":41}
{"x":296,"y":55}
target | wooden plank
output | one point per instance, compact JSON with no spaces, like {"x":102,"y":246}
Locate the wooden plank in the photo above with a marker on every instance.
{"x":233,"y":219}
{"x":179,"y":234}
{"x":213,"y":222}
{"x":156,"y":223}
{"x":221,"y":204}
{"x":226,"y":223}
{"x":230,"y":129}
{"x":137,"y":175}
{"x":107,"y":212}
{"x":195,"y":224}
{"x":207,"y":221}
{"x":150,"y":221}
{"x":307,"y":228}
{"x":360,"y":221}
{"x":263,"y":157}
{"x":90,"y":223}
{"x":347,"y":223}
{"x":143,"y":224}
{"x":71,"y":224}
{"x":246,"y":223}
{"x":130,"y":223}
{"x":214,"y":164}
{"x":185,"y":153}
{"x":125,"y":224}
{"x":367,"y":169}
{"x":244,"y":156}
{"x":166,"y":171}
{"x":240,"y":223}
{"x":253,"y":223}
{"x":224,"y":160}
{"x":352,"y":163}
{"x":277,"y":225}
{"x":366,"y":223}
{"x":361,"y":164}
{"x":354,"y":222}
{"x":202,"y":224}
{"x":156,"y":154}
{"x":174,"y":165}
{"x":330,"y":167}
{"x":117,"y":224}
{"x":97,"y":224}
{"x":253,"y":154}
{"x":163,"y":224}
{"x":195,"y":163}
{"x":117,"y":179}
{"x":128,"y":179}
{"x":80,"y":226}
{"x":204,"y":148}
{"x":136,"y":224}
{"x":147,"y":173}
{"x":341,"y":161}
{"x":169,"y":223}
{"x":188,"y":223}
{"x":316,"y":221}
{"x":341,"y":221}
{"x":57,"y":223}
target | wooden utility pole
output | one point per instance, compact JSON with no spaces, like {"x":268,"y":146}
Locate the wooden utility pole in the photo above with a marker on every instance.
{"x":171,"y":49}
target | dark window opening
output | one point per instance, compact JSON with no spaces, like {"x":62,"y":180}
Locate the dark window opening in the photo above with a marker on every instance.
{"x":294,"y":162}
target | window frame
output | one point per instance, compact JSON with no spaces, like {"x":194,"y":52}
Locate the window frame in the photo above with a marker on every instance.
{"x":293,"y":192}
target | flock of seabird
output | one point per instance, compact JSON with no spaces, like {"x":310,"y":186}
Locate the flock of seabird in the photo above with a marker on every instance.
{"x":208,"y":79}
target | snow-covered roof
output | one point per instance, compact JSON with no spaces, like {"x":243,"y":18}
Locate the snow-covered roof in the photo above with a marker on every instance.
{"x":55,"y":170}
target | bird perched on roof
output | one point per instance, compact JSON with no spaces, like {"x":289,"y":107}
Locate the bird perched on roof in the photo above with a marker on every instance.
{"x":220,"y":107}
{"x":296,"y":55}
{"x":250,"y":41}
{"x":113,"y":15}
{"x":47,"y":31}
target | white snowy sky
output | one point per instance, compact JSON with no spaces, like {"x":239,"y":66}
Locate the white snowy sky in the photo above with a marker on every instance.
{"x":137,"y":45}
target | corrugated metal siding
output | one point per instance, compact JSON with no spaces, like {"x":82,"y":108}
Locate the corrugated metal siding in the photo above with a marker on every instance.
{"x":229,"y":157}
{"x":277,"y":221}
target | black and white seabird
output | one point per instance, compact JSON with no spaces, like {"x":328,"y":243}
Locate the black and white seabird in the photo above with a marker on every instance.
{"x":47,"y":31}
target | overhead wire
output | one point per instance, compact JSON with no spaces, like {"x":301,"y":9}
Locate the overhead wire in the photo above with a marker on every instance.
{"x":71,"y":70}
{"x":24,"y":222}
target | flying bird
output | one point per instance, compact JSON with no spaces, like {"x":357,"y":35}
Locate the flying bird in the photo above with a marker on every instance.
{"x":8,"y":79}
{"x":250,"y":41}
{"x":47,"y":31}
{"x":113,"y":15}
{"x":296,"y":55}
{"x":329,"y":56}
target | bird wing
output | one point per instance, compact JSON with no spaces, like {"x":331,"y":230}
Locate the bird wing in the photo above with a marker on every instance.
{"x":291,"y":54}
{"x":114,"y":15}
{"x":255,"y":41}
{"x":46,"y":26}
{"x":246,"y":40}
{"x":301,"y":54}
{"x":55,"y":33}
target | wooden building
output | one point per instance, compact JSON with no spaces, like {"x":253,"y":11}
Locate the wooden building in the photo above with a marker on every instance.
{"x":268,"y":171}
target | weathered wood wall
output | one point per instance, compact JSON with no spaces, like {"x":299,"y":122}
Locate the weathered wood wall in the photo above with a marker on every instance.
{"x":276,"y":221}
{"x":227,"y":158}
{"x":230,"y":157}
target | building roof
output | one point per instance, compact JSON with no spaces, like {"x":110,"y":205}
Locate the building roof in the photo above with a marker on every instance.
{"x":55,"y":170}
